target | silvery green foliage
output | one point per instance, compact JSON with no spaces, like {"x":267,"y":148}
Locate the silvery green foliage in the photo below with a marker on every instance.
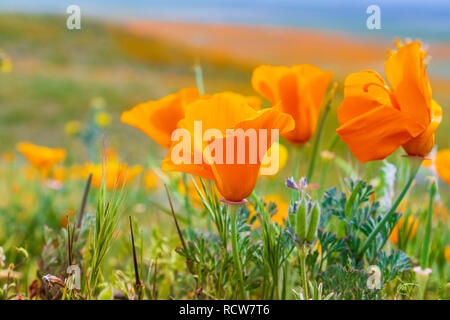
{"x":315,"y":292}
{"x":387,"y":182}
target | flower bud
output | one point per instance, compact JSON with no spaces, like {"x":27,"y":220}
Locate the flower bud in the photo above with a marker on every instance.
{"x":301,"y":220}
{"x":313,"y":223}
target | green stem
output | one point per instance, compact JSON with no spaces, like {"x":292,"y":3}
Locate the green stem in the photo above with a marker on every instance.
{"x":199,"y":79}
{"x":324,"y":171}
{"x":297,"y":156}
{"x":416,"y":162}
{"x":315,"y":150}
{"x":424,"y":254}
{"x":302,"y":260}
{"x":234,"y":244}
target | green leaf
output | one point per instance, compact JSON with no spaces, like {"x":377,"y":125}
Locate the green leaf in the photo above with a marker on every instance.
{"x":106,"y":294}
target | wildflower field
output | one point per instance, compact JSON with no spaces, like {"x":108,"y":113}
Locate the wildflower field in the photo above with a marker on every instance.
{"x":134,"y":166}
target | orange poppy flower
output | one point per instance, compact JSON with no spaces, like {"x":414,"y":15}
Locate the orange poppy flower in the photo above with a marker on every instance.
{"x":116,"y":174}
{"x":298,"y":91}
{"x":158,"y":119}
{"x":236,"y":173}
{"x":442,"y":163}
{"x":410,"y":228}
{"x":41,"y":157}
{"x":375,"y":120}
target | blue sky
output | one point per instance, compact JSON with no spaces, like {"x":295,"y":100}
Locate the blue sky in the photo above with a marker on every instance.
{"x":429,"y":20}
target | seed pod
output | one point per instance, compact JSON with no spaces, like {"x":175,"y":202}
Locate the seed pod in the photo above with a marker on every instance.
{"x":301,"y":221}
{"x":313,"y":223}
{"x":291,"y":215}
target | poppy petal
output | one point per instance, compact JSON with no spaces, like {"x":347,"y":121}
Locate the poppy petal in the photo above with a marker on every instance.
{"x":363,"y":91}
{"x":423,"y":143}
{"x":376,"y":134}
{"x":264,"y":81}
{"x":406,"y":74}
{"x":159,"y":118}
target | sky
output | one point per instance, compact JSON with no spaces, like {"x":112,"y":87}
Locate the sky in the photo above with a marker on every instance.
{"x":429,"y":20}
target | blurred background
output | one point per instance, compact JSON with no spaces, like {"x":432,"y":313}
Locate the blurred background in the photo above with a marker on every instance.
{"x":132,"y":51}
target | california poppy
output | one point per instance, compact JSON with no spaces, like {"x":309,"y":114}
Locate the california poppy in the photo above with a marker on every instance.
{"x":158,"y":119}
{"x":41,"y":157}
{"x":298,"y":91}
{"x":375,"y":120}
{"x":442,"y":163}
{"x":235,"y":179}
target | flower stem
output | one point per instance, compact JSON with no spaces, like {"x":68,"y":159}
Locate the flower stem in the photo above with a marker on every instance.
{"x":415,"y":162}
{"x":199,"y":79}
{"x":302,"y":260}
{"x":324,"y":170}
{"x":318,"y":138}
{"x":234,"y":244}
{"x":424,"y":254}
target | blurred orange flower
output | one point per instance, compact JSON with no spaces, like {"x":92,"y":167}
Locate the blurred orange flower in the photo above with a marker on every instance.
{"x":298,"y":91}
{"x":41,"y":157}
{"x":402,"y":229}
{"x":59,"y":173}
{"x":442,"y":163}
{"x":116,"y":174}
{"x":223,"y":112}
{"x":375,"y":120}
{"x":279,"y":217}
{"x":447,"y":253}
{"x":8,"y":157}
{"x":158,"y":119}
{"x":151,"y":180}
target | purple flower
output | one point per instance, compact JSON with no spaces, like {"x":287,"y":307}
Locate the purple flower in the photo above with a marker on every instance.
{"x":290,"y":183}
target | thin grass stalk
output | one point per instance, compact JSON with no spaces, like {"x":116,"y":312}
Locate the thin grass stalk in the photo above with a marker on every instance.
{"x":180,"y":234}
{"x":416,"y":162}
{"x":84,"y":201}
{"x":326,"y":165}
{"x":138,"y":283}
{"x":318,"y":137}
